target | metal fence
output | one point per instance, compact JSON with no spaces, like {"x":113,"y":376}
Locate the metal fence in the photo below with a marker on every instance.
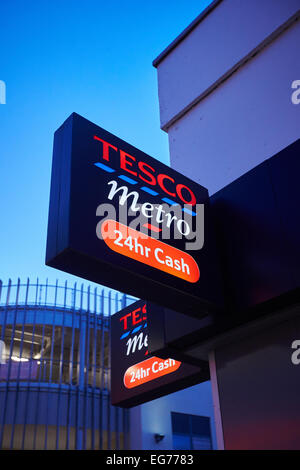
{"x":55,"y":368}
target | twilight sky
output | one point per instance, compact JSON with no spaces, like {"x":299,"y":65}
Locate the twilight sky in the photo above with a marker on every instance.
{"x":60,"y":56}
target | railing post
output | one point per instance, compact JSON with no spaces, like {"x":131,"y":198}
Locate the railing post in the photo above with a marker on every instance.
{"x":81,"y":373}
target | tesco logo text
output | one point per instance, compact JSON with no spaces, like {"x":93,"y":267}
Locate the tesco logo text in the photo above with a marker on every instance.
{"x":148,"y":174}
{"x":133,"y":318}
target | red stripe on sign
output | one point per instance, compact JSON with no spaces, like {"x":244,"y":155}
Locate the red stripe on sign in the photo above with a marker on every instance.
{"x":152,"y":227}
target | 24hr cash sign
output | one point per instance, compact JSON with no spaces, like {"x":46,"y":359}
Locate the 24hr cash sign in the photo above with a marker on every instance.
{"x":123,"y":219}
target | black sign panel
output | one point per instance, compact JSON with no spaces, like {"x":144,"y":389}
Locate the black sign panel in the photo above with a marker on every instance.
{"x":136,"y":375}
{"x":258,"y":227}
{"x":123,"y":219}
{"x":258,"y":223}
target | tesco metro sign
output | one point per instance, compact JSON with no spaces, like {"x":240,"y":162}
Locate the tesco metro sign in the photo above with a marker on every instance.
{"x":120,"y":218}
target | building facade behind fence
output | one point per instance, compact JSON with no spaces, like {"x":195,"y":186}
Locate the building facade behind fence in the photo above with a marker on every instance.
{"x":55,"y":368}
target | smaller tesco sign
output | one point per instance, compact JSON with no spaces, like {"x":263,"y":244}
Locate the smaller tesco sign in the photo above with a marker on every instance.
{"x":136,"y":376}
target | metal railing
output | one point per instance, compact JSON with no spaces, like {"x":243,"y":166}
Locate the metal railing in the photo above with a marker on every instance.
{"x":97,"y":300}
{"x":55,"y":368}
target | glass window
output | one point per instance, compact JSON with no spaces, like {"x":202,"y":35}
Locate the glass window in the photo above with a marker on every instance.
{"x":180,"y":423}
{"x":181,"y":442}
{"x":191,"y":432}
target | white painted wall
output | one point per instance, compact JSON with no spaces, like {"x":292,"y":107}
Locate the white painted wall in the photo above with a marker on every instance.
{"x":219,"y":42}
{"x":245,"y":120}
{"x":155,"y":416}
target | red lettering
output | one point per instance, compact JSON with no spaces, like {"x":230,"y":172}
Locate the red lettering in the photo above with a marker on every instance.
{"x":148,"y":175}
{"x":106,"y":146}
{"x":160,"y":180}
{"x":136,"y":317}
{"x":179,"y":189}
{"x":124,"y":319}
{"x":144,"y":310}
{"x":152,"y":180}
{"x":124,"y":162}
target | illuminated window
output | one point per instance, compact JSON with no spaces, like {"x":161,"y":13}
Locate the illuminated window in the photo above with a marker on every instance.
{"x":50,"y":353}
{"x":191,"y":432}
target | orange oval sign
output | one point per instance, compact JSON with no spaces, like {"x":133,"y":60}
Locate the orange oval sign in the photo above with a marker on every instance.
{"x":148,"y":370}
{"x":148,"y":250}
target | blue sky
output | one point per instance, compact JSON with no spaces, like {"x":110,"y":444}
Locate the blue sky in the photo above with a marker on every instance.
{"x":60,"y":56}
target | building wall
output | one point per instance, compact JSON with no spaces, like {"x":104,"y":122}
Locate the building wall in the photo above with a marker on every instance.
{"x":260,"y":388}
{"x":210,"y":51}
{"x":155,"y":416}
{"x":225,"y":90}
{"x":243,"y":111}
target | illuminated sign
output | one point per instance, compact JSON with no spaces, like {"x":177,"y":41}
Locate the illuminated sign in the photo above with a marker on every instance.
{"x":120,"y":218}
{"x":136,"y":376}
{"x":135,"y":245}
